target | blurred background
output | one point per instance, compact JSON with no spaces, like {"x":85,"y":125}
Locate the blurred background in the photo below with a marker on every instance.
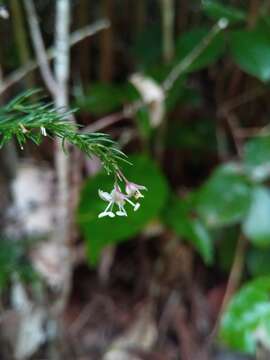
{"x":182,"y":87}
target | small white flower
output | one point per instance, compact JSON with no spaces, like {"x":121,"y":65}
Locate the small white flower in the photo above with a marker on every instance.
{"x":133,"y":189}
{"x":118,"y":198}
{"x":43,"y":131}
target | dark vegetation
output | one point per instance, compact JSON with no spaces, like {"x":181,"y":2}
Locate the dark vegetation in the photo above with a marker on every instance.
{"x":182,"y":87}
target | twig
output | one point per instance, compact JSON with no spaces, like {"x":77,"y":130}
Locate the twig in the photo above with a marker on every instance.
{"x":62,"y":62}
{"x":105,"y":122}
{"x":39,"y":48}
{"x":130,"y":110}
{"x":225,"y":111}
{"x":233,"y":283}
{"x":244,"y":98}
{"x":232,"y":123}
{"x":75,"y":37}
{"x":167,"y":7}
{"x":193,"y":55}
{"x":251,"y":132}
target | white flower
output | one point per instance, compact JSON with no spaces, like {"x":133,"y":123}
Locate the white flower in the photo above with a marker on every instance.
{"x":118,"y":198}
{"x":133,"y":189}
{"x":43,"y":131}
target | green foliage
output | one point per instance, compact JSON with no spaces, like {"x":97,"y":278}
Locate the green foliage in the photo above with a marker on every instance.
{"x":216,"y":10}
{"x":196,"y":138}
{"x":258,"y":262}
{"x":147,"y":49}
{"x":26,"y":121}
{"x":190,"y":39}
{"x":247,"y":317}
{"x":143,"y":122}
{"x":178,"y":92}
{"x":13,"y":261}
{"x":257,"y":158}
{"x":251,"y":51}
{"x":225,"y":197}
{"x":257,"y":225}
{"x":183,"y":95}
{"x":103,"y":98}
{"x":178,"y":216}
{"x":101,"y":232}
{"x":226,"y":247}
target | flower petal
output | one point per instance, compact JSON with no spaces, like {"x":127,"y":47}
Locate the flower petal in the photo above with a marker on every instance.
{"x":136,"y":207}
{"x":102,"y":214}
{"x":104,"y":195}
{"x":141,"y":187}
{"x":121,"y":213}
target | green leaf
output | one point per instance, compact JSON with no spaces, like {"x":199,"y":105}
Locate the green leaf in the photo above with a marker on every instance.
{"x":257,"y":225}
{"x":13,"y":260}
{"x":177,"y":216}
{"x":102,"y":98}
{"x":224,"y":199}
{"x":216,"y":10}
{"x":100,"y":232}
{"x":189,"y":40}
{"x":257,"y":158}
{"x":143,"y":122}
{"x":247,"y":317}
{"x":258,"y":262}
{"x":251,"y":51}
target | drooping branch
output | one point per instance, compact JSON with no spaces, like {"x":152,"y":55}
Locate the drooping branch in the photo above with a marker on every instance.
{"x":25,"y":121}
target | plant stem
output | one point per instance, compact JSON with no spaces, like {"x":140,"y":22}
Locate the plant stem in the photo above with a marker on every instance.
{"x":39,"y":47}
{"x":168,"y":29}
{"x":193,"y":55}
{"x":62,"y":160}
{"x":233,"y":282}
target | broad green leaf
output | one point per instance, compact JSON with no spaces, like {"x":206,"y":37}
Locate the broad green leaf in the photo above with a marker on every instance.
{"x":189,"y":40}
{"x":258,"y":262}
{"x":257,"y":225}
{"x":177,"y":216}
{"x":247,"y":318}
{"x":225,"y":197}
{"x":257,"y":158}
{"x":250,"y":50}
{"x":100,"y":232}
{"x":102,"y":98}
{"x":216,"y":10}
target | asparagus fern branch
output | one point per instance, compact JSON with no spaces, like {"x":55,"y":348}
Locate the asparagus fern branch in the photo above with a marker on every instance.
{"x":26,"y":121}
